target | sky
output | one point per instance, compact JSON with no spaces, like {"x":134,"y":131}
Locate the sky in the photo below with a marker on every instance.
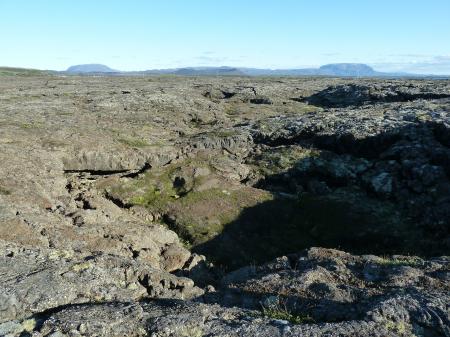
{"x":390,"y":35}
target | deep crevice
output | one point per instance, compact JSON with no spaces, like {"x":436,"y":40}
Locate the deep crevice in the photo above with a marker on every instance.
{"x":41,"y":317}
{"x":261,"y":100}
{"x":144,"y":168}
{"x":116,"y":201}
{"x":227,"y":94}
{"x":97,"y":172}
{"x":370,"y":147}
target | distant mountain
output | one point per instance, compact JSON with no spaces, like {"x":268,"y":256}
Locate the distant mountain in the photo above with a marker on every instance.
{"x":279,"y":72}
{"x":347,"y":69}
{"x":209,"y":71}
{"x":332,"y":70}
{"x":337,"y":69}
{"x":90,"y":68}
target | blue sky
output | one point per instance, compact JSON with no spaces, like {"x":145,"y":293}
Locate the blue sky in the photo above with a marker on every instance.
{"x":394,"y":35}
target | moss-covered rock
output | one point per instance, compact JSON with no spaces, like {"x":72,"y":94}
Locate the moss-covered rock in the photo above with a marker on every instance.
{"x":196,"y":197}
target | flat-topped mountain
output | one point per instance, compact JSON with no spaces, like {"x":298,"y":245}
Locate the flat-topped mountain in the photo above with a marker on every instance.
{"x":90,"y":68}
{"x":209,"y":71}
{"x":347,"y":69}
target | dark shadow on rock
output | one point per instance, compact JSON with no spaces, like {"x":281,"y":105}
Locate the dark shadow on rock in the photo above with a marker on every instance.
{"x":321,"y":310}
{"x":284,"y":226}
{"x":398,"y":204}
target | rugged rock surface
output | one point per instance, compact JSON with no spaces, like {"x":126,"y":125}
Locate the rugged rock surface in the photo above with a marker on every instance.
{"x":135,"y":206}
{"x":334,"y":293}
{"x":359,"y":94}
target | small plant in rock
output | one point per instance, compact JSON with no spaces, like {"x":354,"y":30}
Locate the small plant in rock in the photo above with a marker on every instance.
{"x":404,"y":261}
{"x":397,"y":327}
{"x":191,"y":331}
{"x":186,"y":243}
{"x":273,"y":308}
{"x":284,"y":314}
{"x":133,"y":142}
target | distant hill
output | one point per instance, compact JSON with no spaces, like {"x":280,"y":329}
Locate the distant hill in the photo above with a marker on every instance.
{"x":90,"y":68}
{"x":209,"y":71}
{"x":8,"y":71}
{"x":336,"y":69}
{"x":347,"y":69}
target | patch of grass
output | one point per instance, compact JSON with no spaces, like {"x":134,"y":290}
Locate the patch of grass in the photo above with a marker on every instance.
{"x":133,"y":142}
{"x":26,"y":126}
{"x":303,"y":108}
{"x":279,"y":311}
{"x":4,"y":191}
{"x":225,"y":133}
{"x":52,"y":143}
{"x":191,"y":331}
{"x":397,"y":327}
{"x":404,"y":261}
{"x":231,"y":110}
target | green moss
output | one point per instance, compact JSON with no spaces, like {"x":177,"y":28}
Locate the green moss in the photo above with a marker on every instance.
{"x":79,"y":267}
{"x":28,"y":325}
{"x":199,"y":211}
{"x":154,"y":198}
{"x":281,"y":159}
{"x":203,"y":215}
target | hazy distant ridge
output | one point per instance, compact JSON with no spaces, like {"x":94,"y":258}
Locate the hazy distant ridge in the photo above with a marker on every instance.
{"x":335,"y":69}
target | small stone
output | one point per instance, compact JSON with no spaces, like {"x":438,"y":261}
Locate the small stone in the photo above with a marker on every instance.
{"x":382,"y":183}
{"x":174,"y":257}
{"x":280,"y":321}
{"x":82,"y":328}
